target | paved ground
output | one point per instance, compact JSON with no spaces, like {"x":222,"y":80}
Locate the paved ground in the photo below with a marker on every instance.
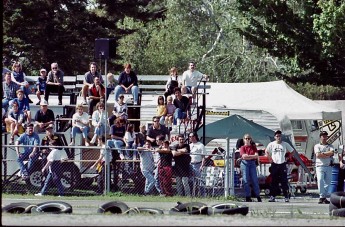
{"x":301,"y":211}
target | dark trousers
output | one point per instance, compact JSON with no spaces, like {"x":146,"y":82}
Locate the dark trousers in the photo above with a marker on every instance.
{"x":341,"y":178}
{"x":100,"y":180}
{"x":55,"y":89}
{"x":92,"y":104}
{"x":116,"y":167}
{"x":279,"y":175}
{"x":165,"y":179}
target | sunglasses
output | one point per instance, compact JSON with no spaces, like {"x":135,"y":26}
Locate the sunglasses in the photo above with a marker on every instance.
{"x":155,"y":121}
{"x":54,"y":68}
{"x":248,"y":138}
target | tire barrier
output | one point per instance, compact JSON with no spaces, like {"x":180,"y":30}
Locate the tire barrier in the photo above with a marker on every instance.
{"x":191,"y":208}
{"x":228,"y":208}
{"x":115,"y":207}
{"x":53,"y":207}
{"x":337,"y":205}
{"x":144,"y":210}
{"x":18,"y":208}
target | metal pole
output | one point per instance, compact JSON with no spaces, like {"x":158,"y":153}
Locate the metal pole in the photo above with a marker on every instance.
{"x":204,"y":117}
{"x":107,"y":170}
{"x":226,"y":180}
{"x":232,"y":170}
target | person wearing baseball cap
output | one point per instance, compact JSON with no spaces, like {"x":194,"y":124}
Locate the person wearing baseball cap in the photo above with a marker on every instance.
{"x":43,"y":117}
{"x":277,"y":151}
{"x":324,"y":154}
{"x":41,"y":84}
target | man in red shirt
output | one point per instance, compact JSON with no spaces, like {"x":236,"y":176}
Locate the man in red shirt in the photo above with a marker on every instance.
{"x":96,"y":94}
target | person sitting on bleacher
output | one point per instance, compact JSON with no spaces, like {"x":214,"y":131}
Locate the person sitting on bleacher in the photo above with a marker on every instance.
{"x":99,"y":122}
{"x":112,"y":82}
{"x":41,"y":84}
{"x":173,"y":81}
{"x":43,"y":117}
{"x":14,"y":121}
{"x":55,"y":82}
{"x":182,"y":111}
{"x":128,"y":82}
{"x":96,"y":94}
{"x":23,"y":105}
{"x":9,"y":91}
{"x":80,"y":124}
{"x":18,"y":77}
{"x":119,"y":111}
{"x":89,"y":80}
{"x":156,"y":129}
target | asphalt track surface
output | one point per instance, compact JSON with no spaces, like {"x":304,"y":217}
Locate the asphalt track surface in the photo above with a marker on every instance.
{"x":300,"y":211}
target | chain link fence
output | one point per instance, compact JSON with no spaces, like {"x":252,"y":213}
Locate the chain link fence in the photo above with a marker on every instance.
{"x":69,"y":176}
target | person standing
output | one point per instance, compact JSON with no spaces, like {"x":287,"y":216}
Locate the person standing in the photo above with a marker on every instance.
{"x":197,"y":151}
{"x":128,"y":82}
{"x":324,"y":153}
{"x":165,"y":168}
{"x":249,"y":154}
{"x":30,"y":152}
{"x":341,"y":176}
{"x":191,"y":78}
{"x":54,"y":169}
{"x":147,"y":166}
{"x":55,"y":82}
{"x":182,"y":166}
{"x":277,"y":151}
{"x":89,"y":80}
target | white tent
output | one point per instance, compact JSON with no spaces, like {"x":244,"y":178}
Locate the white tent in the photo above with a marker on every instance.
{"x":274,"y":97}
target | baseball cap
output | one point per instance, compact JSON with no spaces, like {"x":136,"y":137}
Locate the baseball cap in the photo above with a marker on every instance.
{"x":30,"y":125}
{"x":41,"y":70}
{"x":323,"y":133}
{"x":277,"y":132}
{"x":49,"y":126}
{"x":44,"y":103}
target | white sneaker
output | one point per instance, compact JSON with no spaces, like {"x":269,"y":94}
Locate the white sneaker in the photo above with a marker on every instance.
{"x":38,"y":194}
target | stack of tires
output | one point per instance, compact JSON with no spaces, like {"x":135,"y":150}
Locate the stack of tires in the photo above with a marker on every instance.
{"x":337,"y":205}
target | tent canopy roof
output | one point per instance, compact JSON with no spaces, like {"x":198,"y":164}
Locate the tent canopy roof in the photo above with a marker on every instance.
{"x":275,"y":97}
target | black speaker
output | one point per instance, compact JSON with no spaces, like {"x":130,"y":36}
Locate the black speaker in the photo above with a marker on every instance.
{"x":105,"y":48}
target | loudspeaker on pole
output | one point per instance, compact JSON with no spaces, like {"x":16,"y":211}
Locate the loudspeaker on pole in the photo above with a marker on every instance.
{"x":105,"y":48}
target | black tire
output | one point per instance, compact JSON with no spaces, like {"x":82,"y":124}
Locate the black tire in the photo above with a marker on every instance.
{"x":144,"y":210}
{"x":228,"y":208}
{"x":191,"y":208}
{"x":35,"y":178}
{"x":338,"y":212}
{"x":17,"y":208}
{"x":332,"y":207}
{"x":338,"y":199}
{"x":115,"y":207}
{"x":71,"y":177}
{"x":53,"y":207}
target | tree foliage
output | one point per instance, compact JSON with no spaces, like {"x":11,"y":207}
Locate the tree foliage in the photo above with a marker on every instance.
{"x":39,"y":32}
{"x":307,"y":36}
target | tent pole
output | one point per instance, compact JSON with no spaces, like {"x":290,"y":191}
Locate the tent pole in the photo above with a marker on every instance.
{"x":226,"y":188}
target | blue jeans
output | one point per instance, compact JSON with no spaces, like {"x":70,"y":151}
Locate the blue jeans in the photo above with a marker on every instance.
{"x":119,"y":90}
{"x":99,"y":131}
{"x":20,"y":160}
{"x":76,"y":130}
{"x":150,"y":180}
{"x":182,"y":184}
{"x":157,"y":182}
{"x":179,"y":114}
{"x":197,"y":175}
{"x":250,"y":177}
{"x":324,"y":176}
{"x":5,"y":104}
{"x":55,"y":176}
{"x":113,"y":143}
{"x":132,"y":154}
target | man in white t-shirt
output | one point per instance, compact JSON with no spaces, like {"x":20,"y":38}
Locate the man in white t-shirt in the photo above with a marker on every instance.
{"x":191,"y":78}
{"x":277,"y":151}
{"x":324,"y":153}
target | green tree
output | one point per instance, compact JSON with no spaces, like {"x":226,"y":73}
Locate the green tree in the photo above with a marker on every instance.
{"x":306,"y":36}
{"x":39,"y":32}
